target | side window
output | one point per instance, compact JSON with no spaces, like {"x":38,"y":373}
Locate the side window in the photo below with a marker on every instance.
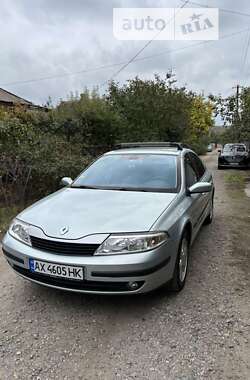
{"x":190,"y":173}
{"x":198,"y":165}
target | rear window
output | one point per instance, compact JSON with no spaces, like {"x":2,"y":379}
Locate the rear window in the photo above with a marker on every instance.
{"x":228,"y":148}
{"x":234,"y":147}
{"x":143,"y":172}
{"x":241,"y":148}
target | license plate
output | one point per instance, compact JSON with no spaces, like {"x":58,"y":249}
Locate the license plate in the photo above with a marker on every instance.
{"x":59,"y":270}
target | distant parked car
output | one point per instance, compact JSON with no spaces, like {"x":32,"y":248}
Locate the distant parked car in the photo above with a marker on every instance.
{"x":234,"y":155}
{"x":209,"y":148}
{"x":125,"y":225}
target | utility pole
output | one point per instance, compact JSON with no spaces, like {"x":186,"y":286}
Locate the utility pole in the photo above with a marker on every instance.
{"x":237,"y":99}
{"x":237,"y":116}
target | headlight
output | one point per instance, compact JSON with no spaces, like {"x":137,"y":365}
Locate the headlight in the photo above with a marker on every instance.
{"x":131,"y":243}
{"x":20,"y":231}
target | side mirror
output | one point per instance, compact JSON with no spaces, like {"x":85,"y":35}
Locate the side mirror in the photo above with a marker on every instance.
{"x":200,"y":187}
{"x":219,"y":150}
{"x":66,"y":181}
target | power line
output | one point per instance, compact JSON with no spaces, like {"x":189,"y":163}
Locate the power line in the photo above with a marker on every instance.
{"x":102,"y":67}
{"x":222,"y":9}
{"x":62,"y":75}
{"x":164,"y":52}
{"x":196,"y":44}
{"x":143,"y":48}
{"x":245,"y":54}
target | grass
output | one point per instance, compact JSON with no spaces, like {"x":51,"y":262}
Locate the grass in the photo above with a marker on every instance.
{"x":236,"y":179}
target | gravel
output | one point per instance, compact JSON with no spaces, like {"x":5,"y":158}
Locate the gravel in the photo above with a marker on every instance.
{"x":200,"y":333}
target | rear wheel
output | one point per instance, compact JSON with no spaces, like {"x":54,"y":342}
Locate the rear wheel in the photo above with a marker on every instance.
{"x":181,"y":266}
{"x":210,"y":216}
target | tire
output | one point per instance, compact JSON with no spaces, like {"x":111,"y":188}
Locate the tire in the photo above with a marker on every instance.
{"x":219,"y":167}
{"x":210,"y":216}
{"x":181,"y":266}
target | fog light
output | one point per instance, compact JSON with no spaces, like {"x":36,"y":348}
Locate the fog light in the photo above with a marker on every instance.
{"x":133,"y":285}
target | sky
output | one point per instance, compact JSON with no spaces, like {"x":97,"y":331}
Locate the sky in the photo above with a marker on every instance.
{"x":44,"y":41}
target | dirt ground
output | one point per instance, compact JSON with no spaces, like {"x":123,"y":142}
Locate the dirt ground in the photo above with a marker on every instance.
{"x":201,"y":333}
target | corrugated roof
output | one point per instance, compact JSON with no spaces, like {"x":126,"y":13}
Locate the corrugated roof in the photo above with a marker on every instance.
{"x":8,"y":97}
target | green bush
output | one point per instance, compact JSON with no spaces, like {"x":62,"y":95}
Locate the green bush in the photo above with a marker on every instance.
{"x":38,"y":148}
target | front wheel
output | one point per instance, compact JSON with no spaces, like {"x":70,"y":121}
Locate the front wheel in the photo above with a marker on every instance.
{"x":181,"y":266}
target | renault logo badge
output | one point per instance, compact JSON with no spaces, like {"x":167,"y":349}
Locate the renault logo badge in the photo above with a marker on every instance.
{"x":64,"y":230}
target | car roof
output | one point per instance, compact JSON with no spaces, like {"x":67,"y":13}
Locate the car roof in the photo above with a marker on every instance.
{"x":153,"y":150}
{"x":235,"y":144}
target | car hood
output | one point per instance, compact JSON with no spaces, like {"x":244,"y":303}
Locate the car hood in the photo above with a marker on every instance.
{"x":88,"y":211}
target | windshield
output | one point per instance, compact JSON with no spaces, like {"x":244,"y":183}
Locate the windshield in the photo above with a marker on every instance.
{"x":141,"y":172}
{"x":228,"y":148}
{"x":233,"y":147}
{"x":241,"y":148}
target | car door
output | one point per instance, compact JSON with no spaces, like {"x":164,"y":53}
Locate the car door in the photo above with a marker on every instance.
{"x":196,"y":201}
{"x":204,"y":199}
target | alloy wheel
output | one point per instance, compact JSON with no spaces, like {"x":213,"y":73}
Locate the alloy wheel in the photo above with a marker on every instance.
{"x":183,"y":260}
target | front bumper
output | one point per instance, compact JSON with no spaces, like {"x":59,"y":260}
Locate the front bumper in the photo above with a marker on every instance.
{"x":235,"y":163}
{"x":103,"y":274}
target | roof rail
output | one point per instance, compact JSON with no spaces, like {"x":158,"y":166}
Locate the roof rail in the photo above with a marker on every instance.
{"x":177,"y":145}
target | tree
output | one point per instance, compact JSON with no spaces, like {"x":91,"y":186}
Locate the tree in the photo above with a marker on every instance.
{"x":235,"y":114}
{"x":201,"y":122}
{"x":87,"y":119}
{"x":244,"y":127}
{"x":153,"y":110}
{"x":150,"y":109}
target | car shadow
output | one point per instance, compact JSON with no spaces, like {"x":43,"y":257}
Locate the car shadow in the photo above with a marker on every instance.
{"x":51,"y":298}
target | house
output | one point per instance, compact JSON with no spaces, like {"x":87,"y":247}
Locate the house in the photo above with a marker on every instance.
{"x":7,"y":99}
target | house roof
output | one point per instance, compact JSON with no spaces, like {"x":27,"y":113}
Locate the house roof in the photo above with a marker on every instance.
{"x":8,"y":97}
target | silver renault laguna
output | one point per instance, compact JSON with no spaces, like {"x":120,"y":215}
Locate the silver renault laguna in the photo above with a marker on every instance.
{"x":123,"y":226}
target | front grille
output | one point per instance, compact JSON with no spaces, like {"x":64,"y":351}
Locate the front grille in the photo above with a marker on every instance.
{"x":235,"y":159}
{"x":100,"y":286}
{"x":63,"y":248}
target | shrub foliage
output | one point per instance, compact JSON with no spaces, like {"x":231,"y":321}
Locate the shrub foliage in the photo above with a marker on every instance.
{"x":37,"y":148}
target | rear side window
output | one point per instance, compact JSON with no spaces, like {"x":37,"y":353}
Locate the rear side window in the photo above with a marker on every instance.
{"x":190,"y":172}
{"x":198,"y":165}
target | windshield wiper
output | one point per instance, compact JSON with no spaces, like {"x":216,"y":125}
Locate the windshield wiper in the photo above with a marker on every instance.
{"x":109,"y":188}
{"x":127,"y":189}
{"x":86,"y":187}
